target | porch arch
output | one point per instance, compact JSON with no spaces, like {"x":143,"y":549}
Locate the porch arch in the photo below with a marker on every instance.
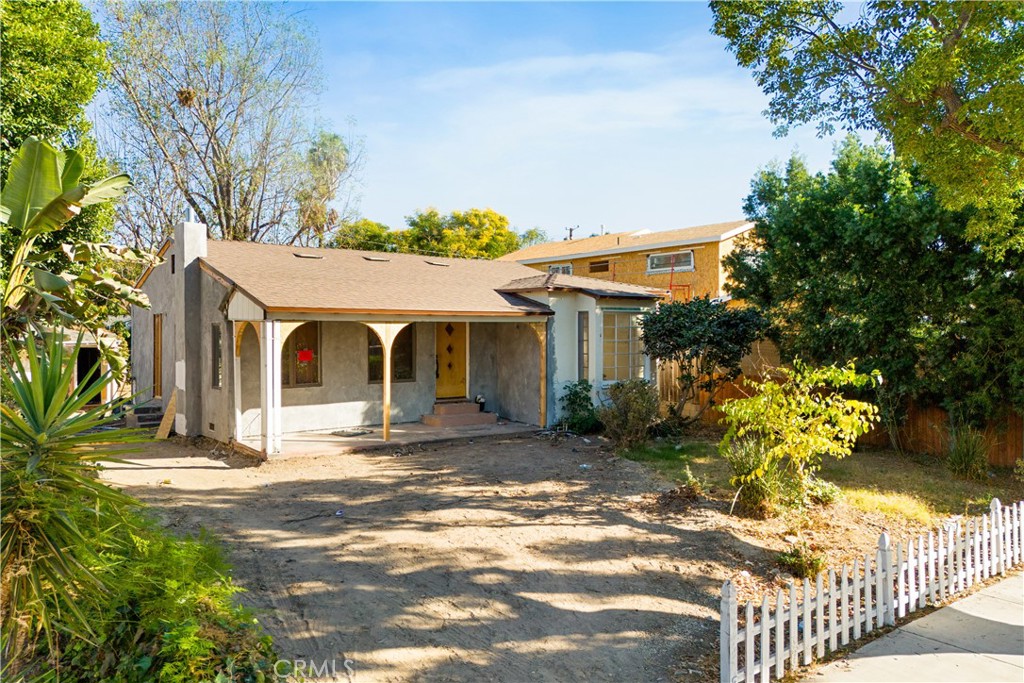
{"x":386,"y":333}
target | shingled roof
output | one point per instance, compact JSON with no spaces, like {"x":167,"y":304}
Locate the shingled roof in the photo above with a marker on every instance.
{"x":298,"y":279}
{"x":624,"y":242}
{"x":587,"y":285}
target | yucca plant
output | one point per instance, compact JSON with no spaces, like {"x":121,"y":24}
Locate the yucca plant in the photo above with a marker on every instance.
{"x":52,"y":504}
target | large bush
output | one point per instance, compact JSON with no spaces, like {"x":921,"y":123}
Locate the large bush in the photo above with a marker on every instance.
{"x":89,"y":587}
{"x":708,"y":339}
{"x":632,"y":409}
{"x":800,"y":417}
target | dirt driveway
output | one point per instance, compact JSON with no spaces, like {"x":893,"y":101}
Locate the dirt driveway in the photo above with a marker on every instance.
{"x":494,"y":561}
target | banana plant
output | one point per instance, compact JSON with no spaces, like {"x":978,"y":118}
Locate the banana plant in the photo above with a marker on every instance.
{"x":42,"y":193}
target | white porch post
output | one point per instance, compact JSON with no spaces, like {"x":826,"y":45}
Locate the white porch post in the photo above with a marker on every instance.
{"x":237,"y":328}
{"x":270,"y":386}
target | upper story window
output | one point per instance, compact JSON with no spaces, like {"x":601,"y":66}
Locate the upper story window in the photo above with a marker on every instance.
{"x":300,"y":357}
{"x":561,"y":268}
{"x":600,"y":266}
{"x":664,"y":263}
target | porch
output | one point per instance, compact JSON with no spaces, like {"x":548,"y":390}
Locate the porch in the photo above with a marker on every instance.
{"x":370,"y":438}
{"x":334,"y":384}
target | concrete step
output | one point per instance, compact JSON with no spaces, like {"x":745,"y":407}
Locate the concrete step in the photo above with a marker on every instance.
{"x":456,"y":408}
{"x":460,"y":419}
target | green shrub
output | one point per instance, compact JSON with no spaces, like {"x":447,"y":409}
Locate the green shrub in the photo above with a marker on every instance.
{"x":800,"y":419}
{"x":1018,"y":470}
{"x":801,"y":561}
{"x":968,"y":455}
{"x":170,"y":618}
{"x":759,"y":477}
{"x":632,"y":410}
{"x":579,"y":414}
{"x":821,"y":492}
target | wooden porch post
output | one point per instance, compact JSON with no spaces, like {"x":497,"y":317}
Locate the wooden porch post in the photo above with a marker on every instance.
{"x":387,"y":332}
{"x":542,"y":336}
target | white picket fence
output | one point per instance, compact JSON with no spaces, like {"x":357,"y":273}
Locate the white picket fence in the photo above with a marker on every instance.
{"x":763,"y":642}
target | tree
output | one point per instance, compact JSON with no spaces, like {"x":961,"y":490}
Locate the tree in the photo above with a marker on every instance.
{"x":863,"y":263}
{"x":327,"y":167}
{"x":708,"y":339}
{"x":476,"y":233}
{"x":941,"y":80}
{"x":53,"y":62}
{"x":799,"y":420}
{"x":367,"y":235}
{"x":212,"y":103}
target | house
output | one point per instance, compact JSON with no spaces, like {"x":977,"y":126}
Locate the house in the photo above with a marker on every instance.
{"x":258,"y":341}
{"x":684,"y":263}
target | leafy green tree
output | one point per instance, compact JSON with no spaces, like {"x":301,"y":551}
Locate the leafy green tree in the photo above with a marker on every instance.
{"x":53,"y":63}
{"x":367,"y":235}
{"x":799,"y":420}
{"x":708,"y":339}
{"x":941,"y":80}
{"x":863,"y":262}
{"x":476,"y":233}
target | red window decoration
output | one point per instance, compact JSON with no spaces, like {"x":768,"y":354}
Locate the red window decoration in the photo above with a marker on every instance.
{"x":305,"y":355}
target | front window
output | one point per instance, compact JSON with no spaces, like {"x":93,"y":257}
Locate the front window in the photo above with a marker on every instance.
{"x":600,"y":266}
{"x":300,"y":357}
{"x":561,"y":268}
{"x":664,"y":263}
{"x":623,"y":351}
{"x":403,"y":355}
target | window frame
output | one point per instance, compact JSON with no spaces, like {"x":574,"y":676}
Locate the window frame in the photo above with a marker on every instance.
{"x":634,"y":316}
{"x":605,"y":266}
{"x":373,"y":340}
{"x":560,"y":269}
{"x":288,"y":351}
{"x":583,"y":345}
{"x":217,"y":356}
{"x":652,"y":270}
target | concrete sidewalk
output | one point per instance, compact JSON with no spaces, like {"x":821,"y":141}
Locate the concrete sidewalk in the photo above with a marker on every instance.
{"x":978,"y":638}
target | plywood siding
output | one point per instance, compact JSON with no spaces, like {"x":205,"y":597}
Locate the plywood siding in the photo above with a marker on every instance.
{"x":631,"y":268}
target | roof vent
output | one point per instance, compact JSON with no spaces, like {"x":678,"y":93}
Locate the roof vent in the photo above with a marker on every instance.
{"x":376,"y":258}
{"x":436,"y":263}
{"x":312,"y":256}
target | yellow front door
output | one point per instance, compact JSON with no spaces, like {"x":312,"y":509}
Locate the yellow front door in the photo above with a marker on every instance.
{"x":451,"y":360}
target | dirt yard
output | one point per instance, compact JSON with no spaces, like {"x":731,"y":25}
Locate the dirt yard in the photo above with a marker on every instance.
{"x":512,"y":560}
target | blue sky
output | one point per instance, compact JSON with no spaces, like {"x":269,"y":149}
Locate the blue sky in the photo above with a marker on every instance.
{"x":630,"y":115}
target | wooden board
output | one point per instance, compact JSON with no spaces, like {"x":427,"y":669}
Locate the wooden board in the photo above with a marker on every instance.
{"x":164,"y":430}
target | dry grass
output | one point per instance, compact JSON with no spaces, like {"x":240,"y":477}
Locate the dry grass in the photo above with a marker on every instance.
{"x":912,"y":488}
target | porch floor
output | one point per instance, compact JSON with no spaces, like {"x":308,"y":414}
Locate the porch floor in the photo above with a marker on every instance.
{"x":405,"y":434}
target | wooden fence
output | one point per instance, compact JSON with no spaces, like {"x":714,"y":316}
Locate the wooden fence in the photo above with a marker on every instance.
{"x":762,"y":642}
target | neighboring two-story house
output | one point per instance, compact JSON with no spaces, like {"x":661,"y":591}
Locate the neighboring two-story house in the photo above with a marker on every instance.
{"x":684,"y":263}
